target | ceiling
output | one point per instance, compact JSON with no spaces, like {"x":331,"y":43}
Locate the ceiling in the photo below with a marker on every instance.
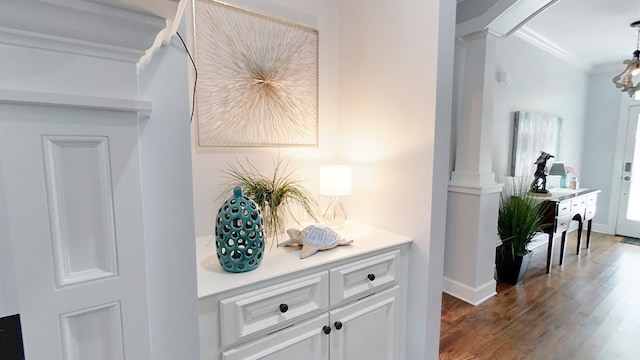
{"x":587,"y":32}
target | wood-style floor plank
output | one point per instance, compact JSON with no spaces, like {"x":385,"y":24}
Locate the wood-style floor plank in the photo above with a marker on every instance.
{"x":588,"y":308}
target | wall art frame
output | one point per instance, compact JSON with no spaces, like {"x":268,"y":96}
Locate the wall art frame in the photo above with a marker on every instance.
{"x":257,"y":79}
{"x":532,"y":133}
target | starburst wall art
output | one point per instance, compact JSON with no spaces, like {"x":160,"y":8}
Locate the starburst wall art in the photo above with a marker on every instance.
{"x":257,"y":79}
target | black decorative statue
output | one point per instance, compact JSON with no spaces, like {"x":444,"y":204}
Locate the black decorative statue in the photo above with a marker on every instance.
{"x":539,"y":183}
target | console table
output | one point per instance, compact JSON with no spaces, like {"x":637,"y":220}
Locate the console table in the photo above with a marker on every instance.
{"x":560,"y":209}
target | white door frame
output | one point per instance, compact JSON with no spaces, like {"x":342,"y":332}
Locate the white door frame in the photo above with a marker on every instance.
{"x":632,"y":118}
{"x":623,"y":119}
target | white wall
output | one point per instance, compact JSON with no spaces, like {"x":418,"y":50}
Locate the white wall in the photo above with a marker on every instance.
{"x":208,"y":180}
{"x":540,"y":82}
{"x":396,"y":70}
{"x":385,"y":108}
{"x":605,"y":119}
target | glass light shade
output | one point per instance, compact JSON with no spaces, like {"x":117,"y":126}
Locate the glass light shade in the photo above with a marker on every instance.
{"x":335,"y":180}
{"x":628,"y":81}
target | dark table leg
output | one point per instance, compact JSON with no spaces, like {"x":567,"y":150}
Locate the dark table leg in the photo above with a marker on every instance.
{"x":562,"y":246}
{"x":589,"y":232}
{"x":579,"y":246}
{"x":549,"y":252}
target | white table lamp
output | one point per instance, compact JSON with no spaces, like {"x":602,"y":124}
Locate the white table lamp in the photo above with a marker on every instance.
{"x":335,"y":181}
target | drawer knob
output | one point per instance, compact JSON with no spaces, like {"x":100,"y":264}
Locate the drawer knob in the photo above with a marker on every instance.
{"x":284,"y":308}
{"x":371,"y":277}
{"x":338,"y":325}
{"x":326,"y":329}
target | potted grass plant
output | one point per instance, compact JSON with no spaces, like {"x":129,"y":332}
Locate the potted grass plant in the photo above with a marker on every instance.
{"x":519,"y":219}
{"x":275,"y":194}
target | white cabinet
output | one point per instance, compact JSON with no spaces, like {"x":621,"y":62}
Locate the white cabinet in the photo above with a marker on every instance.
{"x":366,"y":329}
{"x":344,"y":304}
{"x":261,"y":309}
{"x":303,"y":341}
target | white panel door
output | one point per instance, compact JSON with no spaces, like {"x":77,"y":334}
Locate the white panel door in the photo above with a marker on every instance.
{"x":70,"y":181}
{"x":628,"y":222}
{"x":366,"y":329}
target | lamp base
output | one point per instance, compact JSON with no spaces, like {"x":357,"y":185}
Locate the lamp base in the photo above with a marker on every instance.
{"x":334,"y":216}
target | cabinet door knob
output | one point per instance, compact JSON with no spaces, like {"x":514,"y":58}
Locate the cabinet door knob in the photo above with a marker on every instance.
{"x":338,"y":325}
{"x":284,"y":308}
{"x":326,"y":329}
{"x":371,"y":277}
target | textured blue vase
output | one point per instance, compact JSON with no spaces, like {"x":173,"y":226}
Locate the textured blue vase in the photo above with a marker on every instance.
{"x":239,"y":233}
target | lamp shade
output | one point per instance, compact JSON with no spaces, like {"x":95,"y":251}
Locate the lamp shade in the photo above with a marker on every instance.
{"x":558,"y":169}
{"x":335,"y":180}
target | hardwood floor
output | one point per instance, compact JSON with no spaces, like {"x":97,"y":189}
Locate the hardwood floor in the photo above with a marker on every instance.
{"x":589,"y":308}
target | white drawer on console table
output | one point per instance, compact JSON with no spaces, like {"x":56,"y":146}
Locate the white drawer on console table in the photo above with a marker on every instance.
{"x":239,"y":312}
{"x":266,"y":308}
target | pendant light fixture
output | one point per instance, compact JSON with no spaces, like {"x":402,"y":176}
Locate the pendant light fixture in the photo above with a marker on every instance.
{"x":629,"y":80}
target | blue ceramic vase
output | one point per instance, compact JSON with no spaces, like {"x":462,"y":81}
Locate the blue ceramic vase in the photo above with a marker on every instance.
{"x":239,"y":233}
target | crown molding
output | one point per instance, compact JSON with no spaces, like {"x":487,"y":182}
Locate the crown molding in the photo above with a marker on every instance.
{"x":550,"y":47}
{"x":67,"y":45}
{"x":611,"y":67}
{"x":502,"y":17}
{"x":38,"y":98}
{"x":117,"y":29}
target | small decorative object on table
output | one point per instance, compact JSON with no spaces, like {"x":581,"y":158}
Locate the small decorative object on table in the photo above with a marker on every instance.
{"x":314,"y":238}
{"x":239,"y":234}
{"x":573,"y":183}
{"x":274,"y":194}
{"x":539,"y":183}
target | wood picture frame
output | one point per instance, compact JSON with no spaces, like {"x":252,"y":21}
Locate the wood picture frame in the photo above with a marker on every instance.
{"x":257,"y":79}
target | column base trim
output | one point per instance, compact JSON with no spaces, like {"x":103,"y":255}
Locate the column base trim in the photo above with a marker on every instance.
{"x":468,"y":294}
{"x":476,"y":190}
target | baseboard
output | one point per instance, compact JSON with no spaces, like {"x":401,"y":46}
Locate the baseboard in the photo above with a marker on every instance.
{"x":602,"y":228}
{"x":468,"y":294}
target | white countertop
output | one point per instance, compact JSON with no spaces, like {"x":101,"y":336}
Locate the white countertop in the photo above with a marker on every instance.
{"x":280,"y":261}
{"x":564,"y":191}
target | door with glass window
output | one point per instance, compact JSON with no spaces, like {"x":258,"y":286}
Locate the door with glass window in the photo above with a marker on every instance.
{"x":628,"y":222}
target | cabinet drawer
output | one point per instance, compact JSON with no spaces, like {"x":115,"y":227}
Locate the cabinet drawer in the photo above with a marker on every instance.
{"x":304,"y":341}
{"x":562,"y":223}
{"x":363,"y":277}
{"x":256,"y":311}
{"x":589,"y":213}
{"x":564,"y":207}
{"x":578,"y":205}
{"x":592,"y":199}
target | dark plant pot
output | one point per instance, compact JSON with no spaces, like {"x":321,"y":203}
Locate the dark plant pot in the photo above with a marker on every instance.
{"x":511,"y":269}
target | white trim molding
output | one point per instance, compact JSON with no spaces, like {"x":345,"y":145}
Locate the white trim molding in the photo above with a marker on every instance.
{"x":106,"y":29}
{"x":473,"y":296}
{"x":35,"y":98}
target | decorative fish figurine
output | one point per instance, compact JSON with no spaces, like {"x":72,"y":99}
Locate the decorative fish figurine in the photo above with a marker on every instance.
{"x":314,"y":238}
